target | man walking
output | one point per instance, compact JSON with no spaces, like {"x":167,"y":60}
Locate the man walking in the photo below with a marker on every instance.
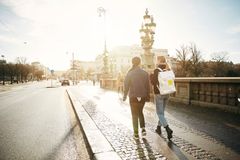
{"x":136,"y":84}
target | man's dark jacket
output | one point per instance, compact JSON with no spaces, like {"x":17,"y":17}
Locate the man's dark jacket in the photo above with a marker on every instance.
{"x":137,"y":83}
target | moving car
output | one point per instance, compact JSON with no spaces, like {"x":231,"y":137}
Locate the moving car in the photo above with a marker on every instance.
{"x":65,"y":82}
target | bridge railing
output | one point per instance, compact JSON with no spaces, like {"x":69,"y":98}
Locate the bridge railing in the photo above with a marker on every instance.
{"x":223,"y":92}
{"x":220,"y":92}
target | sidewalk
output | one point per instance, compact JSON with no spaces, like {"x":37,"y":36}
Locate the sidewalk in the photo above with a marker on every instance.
{"x":107,"y":125}
{"x":8,"y":87}
{"x":15,"y":86}
{"x":112,"y":140}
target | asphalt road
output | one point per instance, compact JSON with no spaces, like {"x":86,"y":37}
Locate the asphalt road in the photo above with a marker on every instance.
{"x":37,"y":122}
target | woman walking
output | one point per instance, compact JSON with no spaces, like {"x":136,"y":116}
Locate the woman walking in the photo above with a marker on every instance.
{"x":161,"y":100}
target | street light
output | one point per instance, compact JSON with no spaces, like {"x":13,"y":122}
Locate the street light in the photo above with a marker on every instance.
{"x":3,"y":71}
{"x":147,"y":32}
{"x":102,"y":12}
{"x":73,"y":68}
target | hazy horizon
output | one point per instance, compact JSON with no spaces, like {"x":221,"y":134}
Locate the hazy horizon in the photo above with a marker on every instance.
{"x":46,"y":31}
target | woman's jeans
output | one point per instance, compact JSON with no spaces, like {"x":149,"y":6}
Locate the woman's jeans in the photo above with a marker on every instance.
{"x":161,"y":102}
{"x":137,"y":113}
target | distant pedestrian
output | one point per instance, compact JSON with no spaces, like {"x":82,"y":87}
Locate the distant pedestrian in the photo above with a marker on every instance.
{"x":120,"y":80}
{"x":161,"y":100}
{"x":94,"y":79}
{"x":136,"y":83}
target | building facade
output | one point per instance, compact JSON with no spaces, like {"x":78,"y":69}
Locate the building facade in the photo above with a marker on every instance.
{"x":120,"y":57}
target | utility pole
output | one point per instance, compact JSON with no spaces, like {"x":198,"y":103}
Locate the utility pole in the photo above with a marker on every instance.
{"x":3,"y":61}
{"x":73,"y":68}
{"x":102,"y":12}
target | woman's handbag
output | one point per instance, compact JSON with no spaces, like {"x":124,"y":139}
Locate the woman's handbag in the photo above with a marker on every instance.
{"x":166,"y":82}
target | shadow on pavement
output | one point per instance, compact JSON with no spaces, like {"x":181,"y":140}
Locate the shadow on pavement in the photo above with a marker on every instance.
{"x":217,"y":124}
{"x":144,"y":151}
{"x":176,"y":150}
{"x":149,"y":150}
{"x":57,"y":148}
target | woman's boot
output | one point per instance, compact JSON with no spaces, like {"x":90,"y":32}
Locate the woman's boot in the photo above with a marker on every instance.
{"x":169,"y":132}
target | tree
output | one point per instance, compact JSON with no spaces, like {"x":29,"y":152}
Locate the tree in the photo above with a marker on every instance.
{"x":18,"y":72}
{"x":237,"y":69}
{"x":11,"y":71}
{"x":196,"y":67}
{"x":26,"y":69}
{"x":21,"y":60}
{"x":183,"y":61}
{"x":219,"y":56}
{"x":23,"y":68}
{"x":232,"y":70}
{"x":3,"y":70}
{"x":219,"y":68}
{"x":38,"y":74}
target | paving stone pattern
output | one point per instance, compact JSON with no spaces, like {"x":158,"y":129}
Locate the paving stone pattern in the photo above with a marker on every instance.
{"x":128,"y":148}
{"x":121,"y":137}
{"x":189,"y":148}
{"x":186,"y":128}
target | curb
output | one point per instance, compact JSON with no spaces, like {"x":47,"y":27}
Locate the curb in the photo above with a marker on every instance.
{"x":101,"y":149}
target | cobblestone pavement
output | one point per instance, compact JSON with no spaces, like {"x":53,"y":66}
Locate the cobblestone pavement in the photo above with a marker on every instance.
{"x":113,"y":118}
{"x":212,"y":124}
{"x":186,"y":146}
{"x":121,"y":137}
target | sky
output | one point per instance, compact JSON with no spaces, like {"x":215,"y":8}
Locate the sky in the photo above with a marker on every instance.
{"x":50,"y":31}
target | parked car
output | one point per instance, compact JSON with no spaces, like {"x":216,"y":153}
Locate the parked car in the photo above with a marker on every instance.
{"x":65,"y":82}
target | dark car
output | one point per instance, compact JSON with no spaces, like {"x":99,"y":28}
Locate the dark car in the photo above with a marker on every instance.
{"x":65,"y":82}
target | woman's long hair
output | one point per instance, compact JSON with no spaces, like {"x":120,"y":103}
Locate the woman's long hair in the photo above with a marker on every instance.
{"x":162,"y":66}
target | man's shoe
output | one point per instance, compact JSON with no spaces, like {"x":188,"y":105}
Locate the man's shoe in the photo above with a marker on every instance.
{"x":144,"y":133}
{"x":158,"y":130}
{"x":135,"y":136}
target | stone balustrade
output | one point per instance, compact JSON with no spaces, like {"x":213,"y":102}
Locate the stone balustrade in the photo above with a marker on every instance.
{"x":109,"y":83}
{"x":220,"y":92}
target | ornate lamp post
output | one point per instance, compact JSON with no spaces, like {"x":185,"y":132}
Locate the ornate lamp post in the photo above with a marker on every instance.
{"x":102,"y":12}
{"x":147,"y":32}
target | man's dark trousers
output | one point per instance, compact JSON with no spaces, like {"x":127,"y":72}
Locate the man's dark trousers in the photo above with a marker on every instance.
{"x":137,"y":113}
